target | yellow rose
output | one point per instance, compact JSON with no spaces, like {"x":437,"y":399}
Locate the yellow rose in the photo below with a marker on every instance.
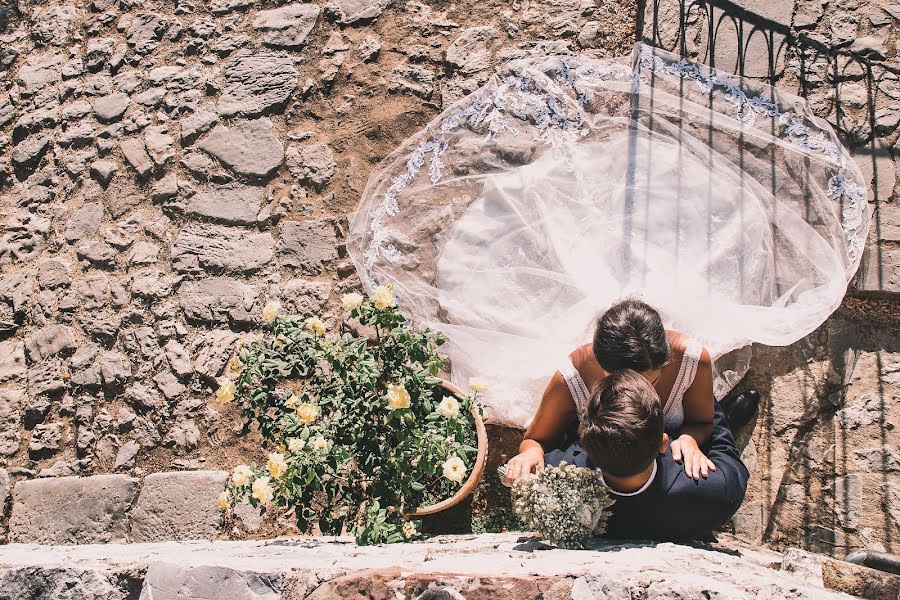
{"x":262,"y":491}
{"x":352,"y":301}
{"x":291,"y":402}
{"x":409,"y":530}
{"x":307,"y":412}
{"x":241,"y":475}
{"x":478,"y":385}
{"x":276,"y":465}
{"x":449,"y":407}
{"x":224,"y":501}
{"x":296,"y":445}
{"x":281,"y":341}
{"x":225,"y":393}
{"x":270,"y":312}
{"x":319,"y":443}
{"x":316,"y":325}
{"x":234,"y":365}
{"x":384,"y":297}
{"x":397,"y":397}
{"x":454,"y":469}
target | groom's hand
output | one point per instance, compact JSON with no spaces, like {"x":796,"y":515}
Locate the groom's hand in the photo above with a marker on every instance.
{"x":686,"y":450}
{"x":524,"y":463}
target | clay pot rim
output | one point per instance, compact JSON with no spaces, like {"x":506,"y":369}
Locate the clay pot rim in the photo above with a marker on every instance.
{"x":477,"y":469}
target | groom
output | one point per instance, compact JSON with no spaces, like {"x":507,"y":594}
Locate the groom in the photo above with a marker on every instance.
{"x":623,"y":436}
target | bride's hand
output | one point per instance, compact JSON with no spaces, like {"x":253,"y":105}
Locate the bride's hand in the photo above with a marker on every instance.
{"x":524,"y":463}
{"x":685,"y":449}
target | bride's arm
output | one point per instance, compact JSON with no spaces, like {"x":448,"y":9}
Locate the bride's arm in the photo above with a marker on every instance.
{"x":552,"y":417}
{"x":546,"y":429}
{"x":699,"y":403}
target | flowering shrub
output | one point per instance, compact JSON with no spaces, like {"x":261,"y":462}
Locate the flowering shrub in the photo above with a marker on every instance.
{"x":565,"y":504}
{"x":361,"y":430}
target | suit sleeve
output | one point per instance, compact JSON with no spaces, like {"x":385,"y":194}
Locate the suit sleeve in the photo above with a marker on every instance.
{"x":699,"y":507}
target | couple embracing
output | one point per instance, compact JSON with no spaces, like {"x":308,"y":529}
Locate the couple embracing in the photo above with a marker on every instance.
{"x":638,"y":405}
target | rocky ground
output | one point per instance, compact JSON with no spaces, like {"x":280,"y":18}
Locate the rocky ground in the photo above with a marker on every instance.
{"x":167,"y":167}
{"x":496,"y":567}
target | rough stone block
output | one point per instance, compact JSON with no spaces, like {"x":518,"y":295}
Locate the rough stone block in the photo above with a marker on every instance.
{"x":12,"y":360}
{"x":250,"y":148}
{"x":308,"y":245}
{"x":72,"y":510}
{"x":12,"y":400}
{"x":434,"y":586}
{"x":167,"y":581}
{"x":750,"y":522}
{"x":258,"y":83}
{"x":178,"y":505}
{"x":848,"y":500}
{"x":58,"y":583}
{"x":218,"y":248}
{"x":233,"y":204}
{"x":219,"y":300}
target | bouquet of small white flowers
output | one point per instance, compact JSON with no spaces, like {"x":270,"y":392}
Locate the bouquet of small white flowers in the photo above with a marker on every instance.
{"x":566,"y":505}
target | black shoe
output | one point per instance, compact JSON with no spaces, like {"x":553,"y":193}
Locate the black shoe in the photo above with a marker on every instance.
{"x":740,"y":409}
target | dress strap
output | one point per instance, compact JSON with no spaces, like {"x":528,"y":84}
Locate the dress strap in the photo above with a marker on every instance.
{"x":576,"y":385}
{"x":686,"y":373}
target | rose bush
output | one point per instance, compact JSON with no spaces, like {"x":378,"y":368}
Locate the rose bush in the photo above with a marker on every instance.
{"x":360,"y":429}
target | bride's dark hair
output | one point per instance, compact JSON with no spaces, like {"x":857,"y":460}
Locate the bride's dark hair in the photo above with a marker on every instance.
{"x":630,"y":335}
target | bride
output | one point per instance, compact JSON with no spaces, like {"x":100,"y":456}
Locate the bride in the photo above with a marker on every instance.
{"x":568,"y":184}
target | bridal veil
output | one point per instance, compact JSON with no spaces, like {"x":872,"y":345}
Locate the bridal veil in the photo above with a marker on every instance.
{"x":565,"y":184}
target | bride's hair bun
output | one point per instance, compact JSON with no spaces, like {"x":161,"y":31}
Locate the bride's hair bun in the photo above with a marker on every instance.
{"x":631,"y":335}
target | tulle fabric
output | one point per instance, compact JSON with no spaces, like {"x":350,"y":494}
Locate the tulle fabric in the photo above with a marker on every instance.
{"x":565,"y":184}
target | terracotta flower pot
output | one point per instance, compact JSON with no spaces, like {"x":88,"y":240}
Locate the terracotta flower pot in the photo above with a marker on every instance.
{"x":477,"y":469}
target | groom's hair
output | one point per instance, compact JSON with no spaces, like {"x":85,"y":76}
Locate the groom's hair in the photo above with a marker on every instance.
{"x":631,"y":335}
{"x":623,"y":428}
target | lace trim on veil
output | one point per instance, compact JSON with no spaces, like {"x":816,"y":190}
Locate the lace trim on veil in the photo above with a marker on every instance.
{"x":514,"y":94}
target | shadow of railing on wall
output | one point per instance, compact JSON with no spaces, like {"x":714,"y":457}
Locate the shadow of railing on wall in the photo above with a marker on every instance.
{"x":850,"y":85}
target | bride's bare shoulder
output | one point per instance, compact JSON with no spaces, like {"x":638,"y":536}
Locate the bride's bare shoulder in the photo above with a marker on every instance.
{"x":585,"y":363}
{"x":678,"y":344}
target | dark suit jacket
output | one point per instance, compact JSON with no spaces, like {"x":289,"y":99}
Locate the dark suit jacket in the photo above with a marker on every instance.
{"x":675,"y":506}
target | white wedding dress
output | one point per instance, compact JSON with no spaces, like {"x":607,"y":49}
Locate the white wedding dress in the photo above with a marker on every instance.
{"x":565,"y":184}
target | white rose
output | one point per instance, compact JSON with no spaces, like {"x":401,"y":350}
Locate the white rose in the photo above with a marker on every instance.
{"x":276,"y":465}
{"x":449,"y":407}
{"x":296,"y":445}
{"x":454,"y":469}
{"x":307,"y":412}
{"x":397,"y":397}
{"x":478,"y":385}
{"x":225,"y":393}
{"x":316,"y":325}
{"x":270,"y":312}
{"x":409,"y":530}
{"x":352,"y":301}
{"x":384,"y":297}
{"x":241,"y":475}
{"x":262,"y":491}
{"x":319,"y":443}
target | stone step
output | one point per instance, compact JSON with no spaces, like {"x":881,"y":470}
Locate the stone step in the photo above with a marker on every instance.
{"x":508,"y":566}
{"x":175,"y":505}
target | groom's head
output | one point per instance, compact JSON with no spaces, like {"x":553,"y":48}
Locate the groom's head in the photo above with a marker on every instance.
{"x":623,"y":432}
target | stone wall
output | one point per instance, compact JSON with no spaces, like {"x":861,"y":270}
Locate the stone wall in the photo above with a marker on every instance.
{"x":167,"y":167}
{"x":824,"y":449}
